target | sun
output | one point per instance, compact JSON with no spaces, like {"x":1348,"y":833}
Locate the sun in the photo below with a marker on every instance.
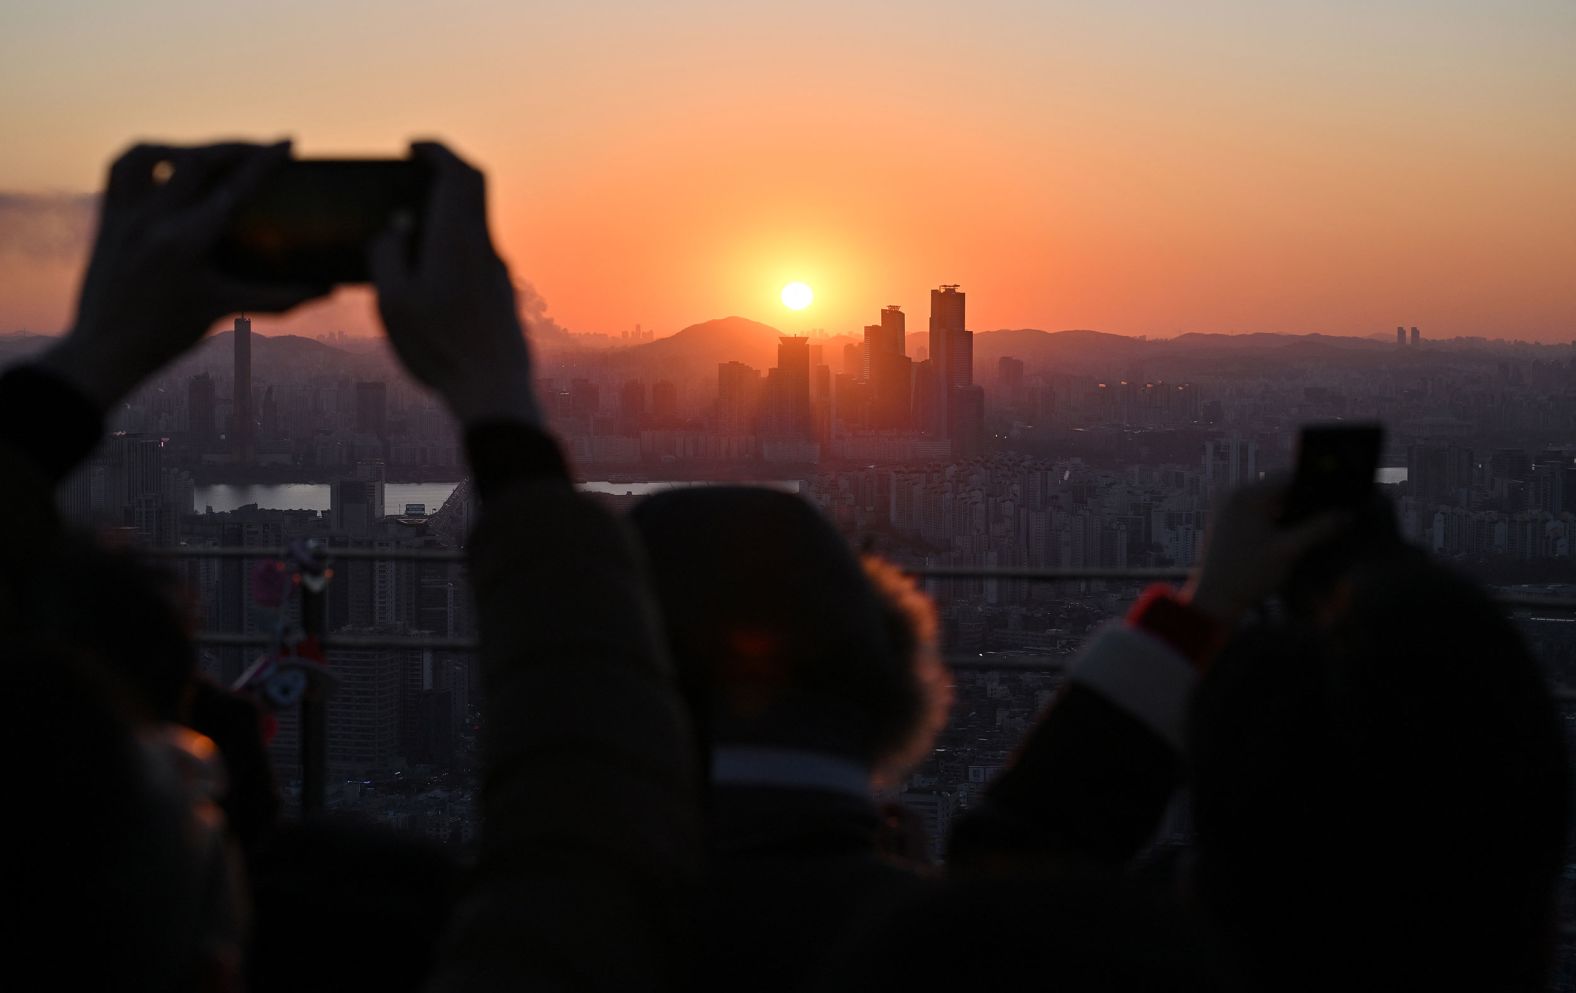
{"x":797,"y":296}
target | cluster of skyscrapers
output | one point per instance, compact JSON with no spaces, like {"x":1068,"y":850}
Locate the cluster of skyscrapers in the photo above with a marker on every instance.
{"x":882,"y":390}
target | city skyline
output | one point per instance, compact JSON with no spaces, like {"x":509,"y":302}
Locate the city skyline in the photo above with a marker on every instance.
{"x":1133,"y":168}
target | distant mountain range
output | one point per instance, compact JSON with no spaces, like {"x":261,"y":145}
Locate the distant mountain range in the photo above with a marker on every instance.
{"x":693,"y":354}
{"x":698,"y":349}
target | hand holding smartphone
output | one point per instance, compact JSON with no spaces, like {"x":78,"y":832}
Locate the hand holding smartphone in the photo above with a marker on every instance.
{"x":312,"y":220}
{"x":1336,"y":465}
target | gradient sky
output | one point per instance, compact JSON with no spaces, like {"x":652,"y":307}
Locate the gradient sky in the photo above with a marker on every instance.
{"x":1143,"y":168}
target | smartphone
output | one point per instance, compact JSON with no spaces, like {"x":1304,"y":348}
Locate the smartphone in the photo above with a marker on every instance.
{"x":313,"y":220}
{"x":1336,"y":465}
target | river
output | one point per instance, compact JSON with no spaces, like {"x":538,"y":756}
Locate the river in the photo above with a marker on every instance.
{"x":396,"y":496}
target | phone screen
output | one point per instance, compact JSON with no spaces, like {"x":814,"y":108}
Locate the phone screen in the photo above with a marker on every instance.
{"x":1336,"y":465}
{"x":313,"y":220}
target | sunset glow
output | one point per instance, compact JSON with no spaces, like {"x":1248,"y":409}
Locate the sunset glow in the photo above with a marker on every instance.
{"x":1137,"y":167}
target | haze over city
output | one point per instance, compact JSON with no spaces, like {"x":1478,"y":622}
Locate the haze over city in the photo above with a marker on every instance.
{"x":1142,"y":169}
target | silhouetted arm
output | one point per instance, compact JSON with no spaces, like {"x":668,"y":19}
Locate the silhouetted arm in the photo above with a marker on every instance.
{"x":1093,"y":779}
{"x":151,"y":291}
{"x":590,"y":845}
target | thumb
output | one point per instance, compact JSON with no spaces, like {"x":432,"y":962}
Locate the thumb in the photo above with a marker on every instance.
{"x":389,"y":255}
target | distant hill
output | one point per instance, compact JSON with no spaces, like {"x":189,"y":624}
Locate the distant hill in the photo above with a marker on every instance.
{"x":19,"y":345}
{"x":280,"y":354}
{"x":1068,"y":351}
{"x":700,"y":347}
{"x":1266,"y":340}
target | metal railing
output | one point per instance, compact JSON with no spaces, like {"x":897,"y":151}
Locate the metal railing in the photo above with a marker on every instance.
{"x":1033,"y":574}
{"x":313,"y":713}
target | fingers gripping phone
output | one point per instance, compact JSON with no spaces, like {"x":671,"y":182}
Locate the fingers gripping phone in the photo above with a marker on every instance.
{"x":1336,"y":465}
{"x":1335,"y":471}
{"x":313,"y":220}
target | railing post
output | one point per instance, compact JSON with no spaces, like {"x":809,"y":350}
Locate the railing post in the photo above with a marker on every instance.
{"x":312,"y":568}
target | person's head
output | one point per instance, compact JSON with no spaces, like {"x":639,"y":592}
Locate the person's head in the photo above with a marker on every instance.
{"x":781,"y":637}
{"x":119,"y":874}
{"x":1381,"y":799}
{"x":122,"y":612}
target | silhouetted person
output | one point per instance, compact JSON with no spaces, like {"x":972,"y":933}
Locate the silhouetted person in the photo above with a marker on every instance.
{"x":117,"y":609}
{"x":810,"y":683}
{"x":588,"y":892}
{"x":1381,"y":793}
{"x":1093,"y":779}
{"x":117,"y":874}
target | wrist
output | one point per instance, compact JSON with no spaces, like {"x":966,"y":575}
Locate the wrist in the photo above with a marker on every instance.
{"x":1205,"y":597}
{"x":1193,"y":632}
{"x":492,"y":403}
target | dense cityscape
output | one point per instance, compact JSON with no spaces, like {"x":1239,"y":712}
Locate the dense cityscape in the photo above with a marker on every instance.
{"x":1005,"y":449}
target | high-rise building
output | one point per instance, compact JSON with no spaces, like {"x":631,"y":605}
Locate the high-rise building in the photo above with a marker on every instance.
{"x":738,"y":397}
{"x":951,"y":350}
{"x":585,"y":398}
{"x":1417,"y":338}
{"x":364,"y":710}
{"x":791,"y":404}
{"x":1009,"y":373}
{"x":1400,"y":337}
{"x":632,"y":406}
{"x":355,"y":506}
{"x":854,"y":360}
{"x":1230,"y":463}
{"x":951,"y":358}
{"x":888,"y":373}
{"x":1439,"y":473}
{"x":894,"y":329}
{"x":242,"y":433}
{"x":664,"y":402}
{"x":372,"y":408}
{"x":946,"y":327}
{"x":201,"y":403}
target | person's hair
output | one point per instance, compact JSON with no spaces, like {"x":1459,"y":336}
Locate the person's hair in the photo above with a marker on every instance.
{"x":1381,"y":800}
{"x":913,"y":631}
{"x":124,"y":613}
{"x":779,"y":635}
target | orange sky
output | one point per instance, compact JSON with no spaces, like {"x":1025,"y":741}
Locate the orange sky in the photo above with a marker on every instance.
{"x":1145,"y":168}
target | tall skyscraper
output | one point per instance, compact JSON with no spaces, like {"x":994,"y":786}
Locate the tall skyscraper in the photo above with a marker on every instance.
{"x":951,"y":351}
{"x":887,"y":338}
{"x":1417,"y":338}
{"x":1400,"y":337}
{"x":894,"y":329}
{"x":793,"y":390}
{"x":888,"y":372}
{"x":242,"y":435}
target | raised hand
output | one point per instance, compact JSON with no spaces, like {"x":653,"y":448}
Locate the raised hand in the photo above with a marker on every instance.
{"x":152,"y":289}
{"x":1249,"y":553}
{"x":447,"y":302}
